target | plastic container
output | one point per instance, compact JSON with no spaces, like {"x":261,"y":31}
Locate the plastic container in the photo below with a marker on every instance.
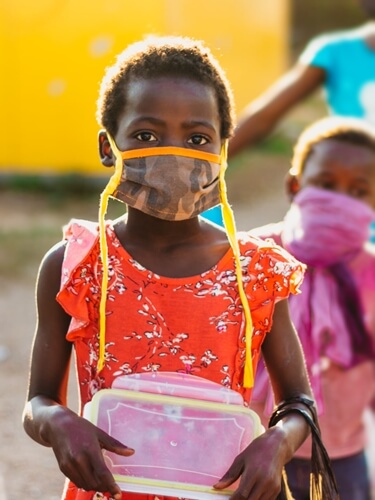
{"x":185,"y":430}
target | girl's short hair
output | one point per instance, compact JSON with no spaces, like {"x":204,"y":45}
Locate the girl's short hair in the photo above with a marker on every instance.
{"x":351,"y":130}
{"x":157,"y":57}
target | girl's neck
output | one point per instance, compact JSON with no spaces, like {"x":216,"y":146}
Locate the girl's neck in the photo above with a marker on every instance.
{"x":145,"y":229}
{"x":172,"y":249}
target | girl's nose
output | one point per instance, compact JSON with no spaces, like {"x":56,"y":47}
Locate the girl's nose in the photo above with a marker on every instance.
{"x":173,"y":140}
{"x":173,"y":144}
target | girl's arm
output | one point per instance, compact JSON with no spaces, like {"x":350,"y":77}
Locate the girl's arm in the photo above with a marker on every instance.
{"x":76,"y":442}
{"x":260,"y":465}
{"x":259,"y":118}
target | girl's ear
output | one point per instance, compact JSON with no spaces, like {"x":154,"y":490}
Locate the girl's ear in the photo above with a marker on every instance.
{"x":105,"y":151}
{"x":292,"y":185}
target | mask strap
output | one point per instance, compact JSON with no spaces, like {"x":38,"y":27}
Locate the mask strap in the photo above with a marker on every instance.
{"x":230,"y":226}
{"x":106,"y":193}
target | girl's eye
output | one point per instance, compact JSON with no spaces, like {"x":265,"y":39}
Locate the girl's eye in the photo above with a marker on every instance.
{"x":324,"y":184}
{"x":328,"y":185}
{"x":198,"y":140}
{"x":145,"y":137}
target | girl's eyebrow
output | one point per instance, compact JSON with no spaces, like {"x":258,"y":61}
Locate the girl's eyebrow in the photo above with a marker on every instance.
{"x":159,"y":121}
{"x":198,"y":123}
{"x":150,"y":119}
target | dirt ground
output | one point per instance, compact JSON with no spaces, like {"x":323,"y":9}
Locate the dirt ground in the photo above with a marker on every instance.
{"x":29,"y":225}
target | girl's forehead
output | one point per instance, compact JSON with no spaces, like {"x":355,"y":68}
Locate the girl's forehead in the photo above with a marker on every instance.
{"x":171,"y":96}
{"x":339,"y":152}
{"x":175,"y":87}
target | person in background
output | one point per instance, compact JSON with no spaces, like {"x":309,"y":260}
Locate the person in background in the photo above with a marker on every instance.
{"x":332,"y":191}
{"x":160,"y":288}
{"x":343,"y":63}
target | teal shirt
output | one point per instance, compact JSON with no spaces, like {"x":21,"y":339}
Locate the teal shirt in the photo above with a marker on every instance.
{"x":349,"y":64}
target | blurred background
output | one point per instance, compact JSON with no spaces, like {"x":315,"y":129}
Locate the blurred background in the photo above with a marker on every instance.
{"x":53,"y":55}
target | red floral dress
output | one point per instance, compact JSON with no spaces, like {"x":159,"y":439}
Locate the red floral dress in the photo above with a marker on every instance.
{"x":153,"y":323}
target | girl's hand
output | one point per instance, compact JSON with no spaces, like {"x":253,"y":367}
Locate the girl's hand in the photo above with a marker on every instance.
{"x":259,"y":468}
{"x":78,"y":445}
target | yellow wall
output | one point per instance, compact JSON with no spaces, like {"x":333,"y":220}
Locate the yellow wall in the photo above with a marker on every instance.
{"x":54,"y":52}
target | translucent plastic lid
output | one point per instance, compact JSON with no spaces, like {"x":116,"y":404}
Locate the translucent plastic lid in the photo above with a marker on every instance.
{"x":182,"y":445}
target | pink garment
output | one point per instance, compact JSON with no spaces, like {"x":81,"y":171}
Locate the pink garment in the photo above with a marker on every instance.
{"x":323,"y":228}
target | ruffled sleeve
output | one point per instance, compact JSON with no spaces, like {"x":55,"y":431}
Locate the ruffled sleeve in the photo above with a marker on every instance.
{"x":79,"y":281}
{"x":270,"y":274}
{"x":285,"y":269}
{"x":270,"y":267}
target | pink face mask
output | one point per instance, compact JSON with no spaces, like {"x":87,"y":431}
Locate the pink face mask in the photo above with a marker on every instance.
{"x":323,"y":227}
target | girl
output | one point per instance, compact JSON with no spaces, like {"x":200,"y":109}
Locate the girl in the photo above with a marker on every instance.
{"x":332,"y":188}
{"x":135,"y":294}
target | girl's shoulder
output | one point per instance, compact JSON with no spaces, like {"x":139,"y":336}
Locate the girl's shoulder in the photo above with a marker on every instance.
{"x":80,"y":228}
{"x":81,"y":239}
{"x":265,"y":243}
{"x":264,"y":257}
{"x":268,"y":232}
{"x":324,"y":48}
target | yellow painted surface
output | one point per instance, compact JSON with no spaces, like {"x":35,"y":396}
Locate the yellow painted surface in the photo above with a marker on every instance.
{"x":54,"y":52}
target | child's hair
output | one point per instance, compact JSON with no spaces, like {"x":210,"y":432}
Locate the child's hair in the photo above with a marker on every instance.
{"x":351,"y":130}
{"x":157,"y":57}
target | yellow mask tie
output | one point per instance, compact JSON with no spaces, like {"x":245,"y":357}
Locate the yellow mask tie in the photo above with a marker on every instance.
{"x":230,"y":226}
{"x":107,"y":192}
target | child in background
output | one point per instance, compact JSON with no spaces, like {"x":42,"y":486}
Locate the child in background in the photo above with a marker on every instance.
{"x":173,"y":292}
{"x":332,"y":190}
{"x":341,"y":63}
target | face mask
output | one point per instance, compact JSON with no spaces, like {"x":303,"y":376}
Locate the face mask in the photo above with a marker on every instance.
{"x":323,"y":227}
{"x":167,"y":182}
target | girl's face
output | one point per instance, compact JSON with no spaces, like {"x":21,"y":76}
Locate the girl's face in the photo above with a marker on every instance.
{"x":341,"y":167}
{"x":170,"y":111}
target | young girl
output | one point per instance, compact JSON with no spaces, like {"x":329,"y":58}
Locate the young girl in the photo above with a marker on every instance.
{"x":161,"y":289}
{"x":332,"y":188}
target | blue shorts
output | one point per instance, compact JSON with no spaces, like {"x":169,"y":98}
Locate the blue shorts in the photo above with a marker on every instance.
{"x":351,"y":476}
